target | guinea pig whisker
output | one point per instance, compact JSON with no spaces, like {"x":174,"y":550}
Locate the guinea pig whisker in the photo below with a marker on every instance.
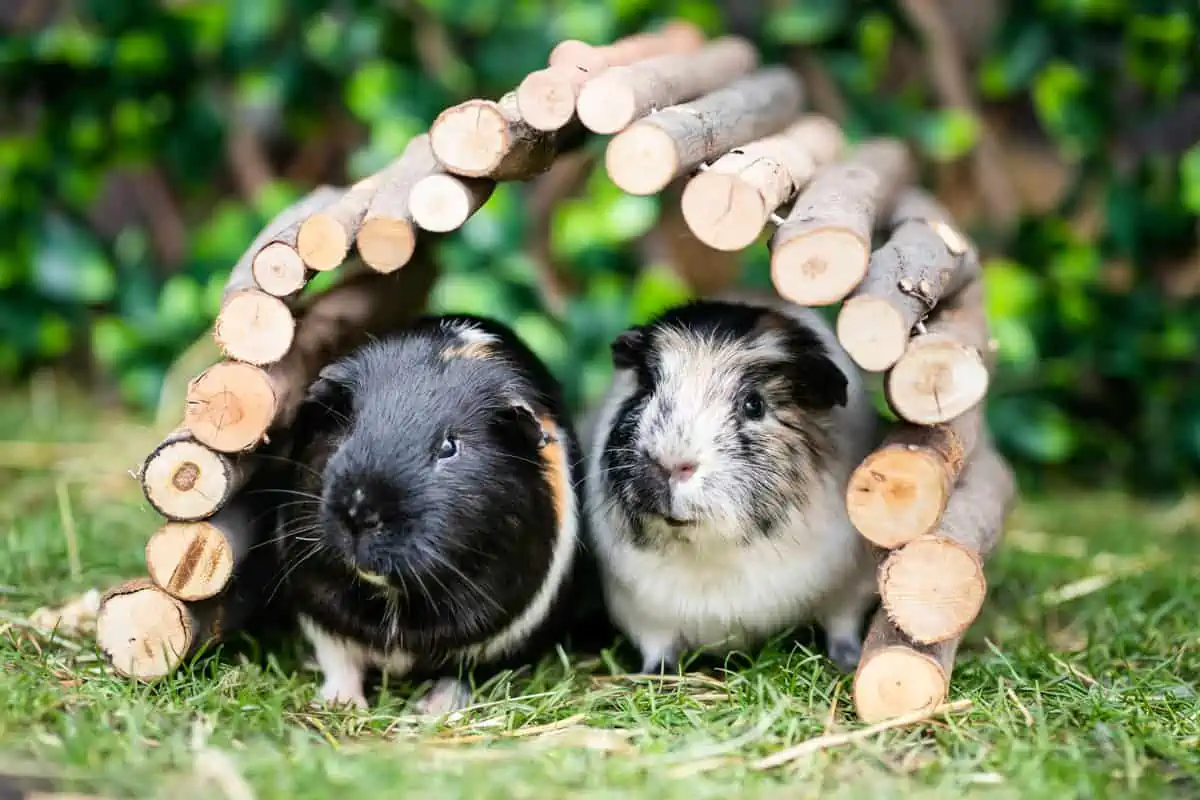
{"x":309,"y":553}
{"x":469,"y":583}
{"x":295,"y":493}
{"x":290,"y":462}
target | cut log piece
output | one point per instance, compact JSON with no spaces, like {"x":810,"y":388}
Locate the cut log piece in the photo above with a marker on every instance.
{"x":254,"y":327}
{"x":728,"y":205}
{"x":231,"y":406}
{"x":933,"y":587}
{"x":652,"y":152}
{"x":196,"y":560}
{"x":271,"y":263}
{"x":900,"y":491}
{"x":821,"y":251}
{"x":441,"y":203}
{"x":546,"y":98}
{"x":944,"y":371}
{"x":924,"y":260}
{"x":325,"y":237}
{"x":488,"y":139}
{"x":145,"y":633}
{"x":184,"y":480}
{"x":386,"y":240}
{"x":896,"y":676}
{"x":617,"y":97}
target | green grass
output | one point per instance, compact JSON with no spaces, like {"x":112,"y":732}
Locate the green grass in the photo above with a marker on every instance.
{"x":1084,"y":672}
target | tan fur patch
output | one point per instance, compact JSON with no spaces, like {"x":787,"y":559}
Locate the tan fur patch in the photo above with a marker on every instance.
{"x":554,"y":465}
{"x":477,"y":350}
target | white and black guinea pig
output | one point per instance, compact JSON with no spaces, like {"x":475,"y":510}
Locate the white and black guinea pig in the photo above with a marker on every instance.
{"x":439,"y":520}
{"x":717,"y":473}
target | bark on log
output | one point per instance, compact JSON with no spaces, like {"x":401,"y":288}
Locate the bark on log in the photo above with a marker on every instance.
{"x":821,"y":251}
{"x":617,"y":97}
{"x":644,"y":158}
{"x":270,"y":262}
{"x":944,"y":372}
{"x":196,"y":560}
{"x":254,"y":327}
{"x":546,"y":98}
{"x":231,"y":406}
{"x":933,"y":587}
{"x":325,"y":237}
{"x":489,"y":139}
{"x":184,"y":480}
{"x":728,"y":205}
{"x":386,"y":240}
{"x":900,"y":491}
{"x":924,"y":260}
{"x":441,"y":203}
{"x":145,"y":633}
{"x":895,"y":676}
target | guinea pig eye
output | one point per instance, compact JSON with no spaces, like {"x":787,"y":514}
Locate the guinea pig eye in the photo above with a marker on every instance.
{"x":753,"y":406}
{"x":449,"y":448}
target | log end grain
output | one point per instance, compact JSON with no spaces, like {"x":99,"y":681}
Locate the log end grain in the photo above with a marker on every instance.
{"x":872,"y":332}
{"x":279,"y":270}
{"x":546,"y":99}
{"x":932,"y":588}
{"x":642,"y":160}
{"x":322,"y":242}
{"x":442,"y":203}
{"x":230,"y":406}
{"x":190,"y":560}
{"x":185,"y":480}
{"x":470,"y":138}
{"x":897,"y":494}
{"x":254,"y":327}
{"x":143,"y":631}
{"x":386,"y":244}
{"x":606,"y":105}
{"x":898,"y":680}
{"x":936,"y":380}
{"x":723,"y":211}
{"x":819,"y":267}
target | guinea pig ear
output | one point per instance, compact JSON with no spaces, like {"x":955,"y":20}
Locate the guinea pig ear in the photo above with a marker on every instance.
{"x":519,"y":418}
{"x":332,"y":387}
{"x":818,"y":383}
{"x":628,"y":348}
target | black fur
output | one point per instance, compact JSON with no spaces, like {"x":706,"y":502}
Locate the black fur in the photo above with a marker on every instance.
{"x":800,"y":390}
{"x":467,"y":541}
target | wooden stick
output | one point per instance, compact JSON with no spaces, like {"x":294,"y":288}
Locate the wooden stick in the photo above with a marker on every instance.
{"x":441,"y":203}
{"x":387,"y":238}
{"x":945,"y":371}
{"x":145,"y":633}
{"x":272,"y":263}
{"x":924,"y":260}
{"x":896,"y":677}
{"x":184,"y":480}
{"x":325,"y":237}
{"x":231,"y":406}
{"x":652,"y":152}
{"x":546,"y":98}
{"x":933,"y":587}
{"x":611,"y":101}
{"x":820,"y":253}
{"x":488,"y":139}
{"x":254,"y":327}
{"x":728,"y":205}
{"x":900,"y":491}
{"x":196,"y":560}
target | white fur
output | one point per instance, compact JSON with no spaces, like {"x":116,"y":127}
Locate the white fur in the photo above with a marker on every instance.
{"x":716,"y":584}
{"x":344,"y":662}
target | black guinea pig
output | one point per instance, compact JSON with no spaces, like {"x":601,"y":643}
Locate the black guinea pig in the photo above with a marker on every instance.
{"x":437,"y":519}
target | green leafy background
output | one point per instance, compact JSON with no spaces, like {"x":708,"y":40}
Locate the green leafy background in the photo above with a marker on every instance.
{"x":124,"y":201}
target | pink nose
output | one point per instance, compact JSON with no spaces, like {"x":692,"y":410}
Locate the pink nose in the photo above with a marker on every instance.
{"x":681,"y":471}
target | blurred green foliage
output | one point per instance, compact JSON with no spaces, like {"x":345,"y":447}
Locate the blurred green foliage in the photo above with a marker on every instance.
{"x":1098,"y":377}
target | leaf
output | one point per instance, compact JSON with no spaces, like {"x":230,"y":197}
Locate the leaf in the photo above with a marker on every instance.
{"x":54,"y":336}
{"x":949,"y":134}
{"x":69,"y":266}
{"x":1011,"y":290}
{"x":543,"y":338}
{"x":113,"y":340}
{"x":1189,"y":178}
{"x":808,"y":22}
{"x":1037,"y":428}
{"x":656,"y":289}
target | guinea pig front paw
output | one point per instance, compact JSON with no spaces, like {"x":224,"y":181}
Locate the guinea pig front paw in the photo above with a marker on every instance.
{"x":447,"y":696}
{"x":339,"y":694}
{"x":845,"y":654}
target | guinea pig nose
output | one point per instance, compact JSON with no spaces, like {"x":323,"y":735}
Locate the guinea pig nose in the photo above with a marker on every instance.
{"x":677,"y":471}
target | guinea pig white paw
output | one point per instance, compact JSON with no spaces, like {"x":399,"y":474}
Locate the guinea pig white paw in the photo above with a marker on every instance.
{"x":447,"y":696}
{"x":338,"y":694}
{"x":845,"y":654}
